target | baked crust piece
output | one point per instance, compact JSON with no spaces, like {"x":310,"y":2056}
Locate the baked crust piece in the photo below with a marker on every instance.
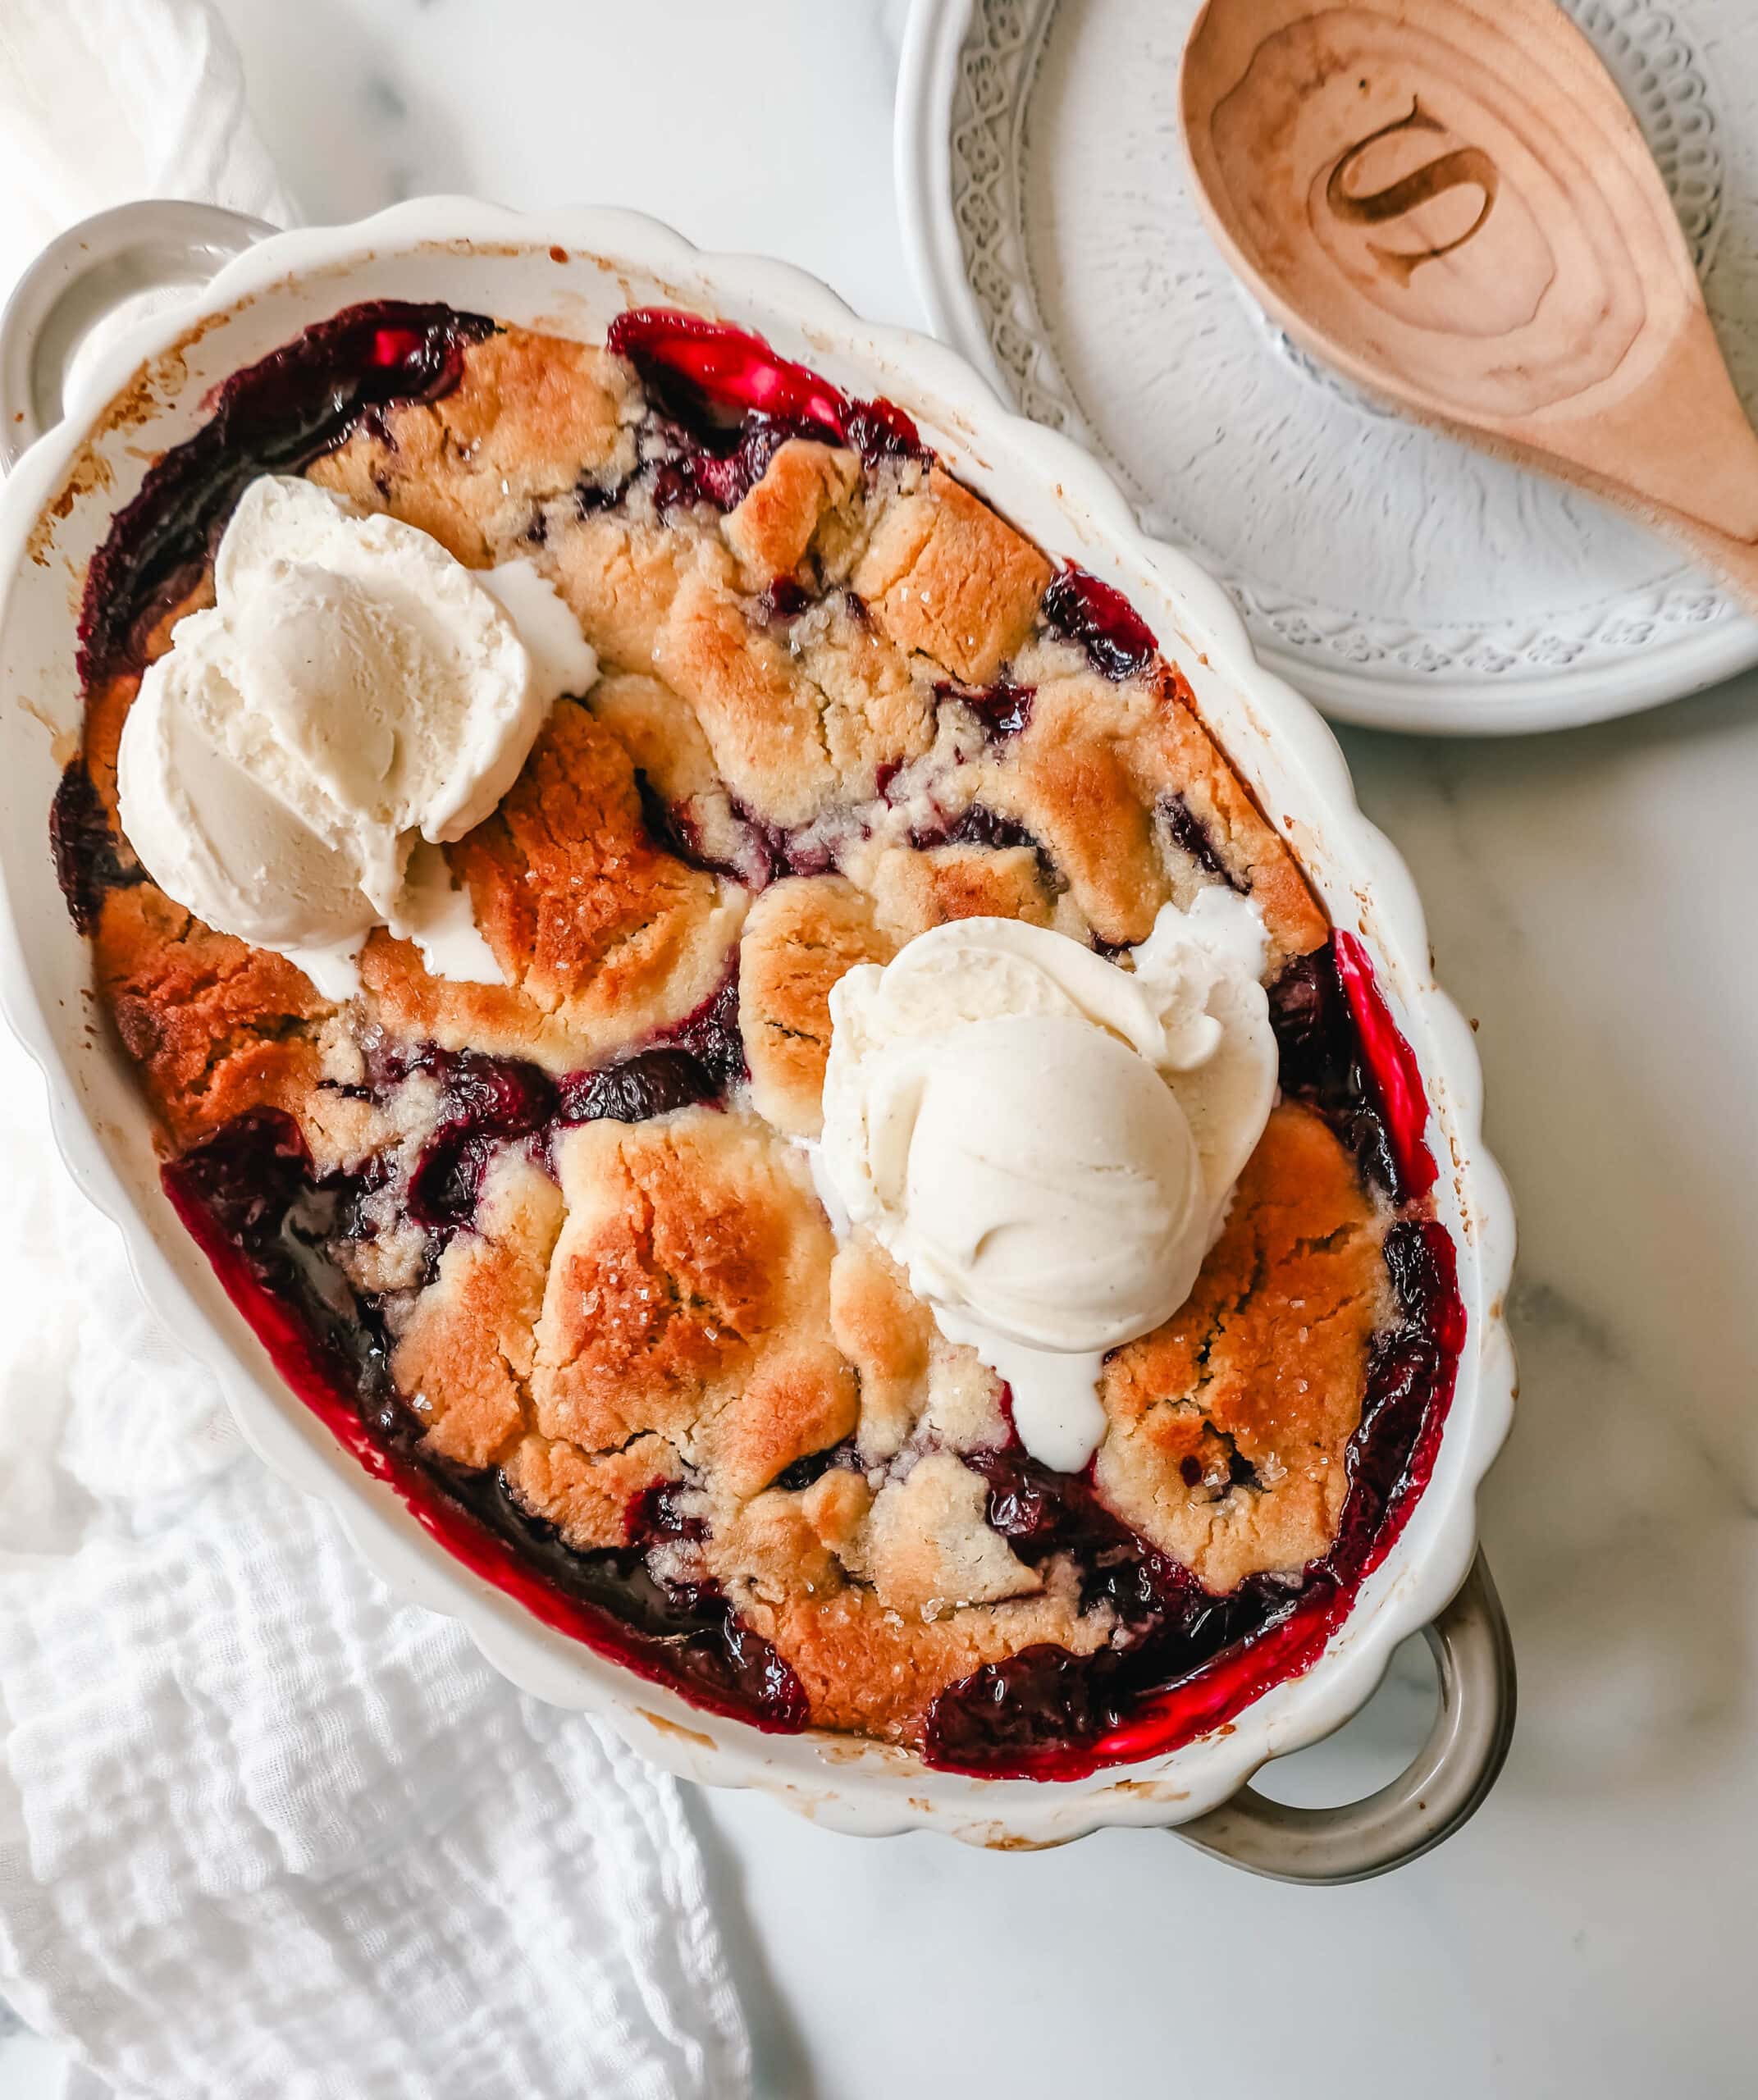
{"x":216,"y":1028}
{"x":664,"y":742}
{"x":689,"y":1296}
{"x":889,"y":1335}
{"x":619,"y":577}
{"x":464,"y":1359}
{"x":922,"y":1541}
{"x":867,"y":1670}
{"x":866,"y":1666}
{"x":945,"y":577}
{"x":772,"y":530}
{"x":1095,"y":773}
{"x":796,"y":725}
{"x":1069,"y":778}
{"x":603,"y":937}
{"x":592,"y":1498}
{"x":876,"y":713}
{"x":532,"y":416}
{"x":1266,"y":1362}
{"x":800,"y":937}
{"x":912,"y":890}
{"x":761,"y":719}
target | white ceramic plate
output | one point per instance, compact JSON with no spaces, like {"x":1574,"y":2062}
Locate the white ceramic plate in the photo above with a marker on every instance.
{"x":572,"y":271}
{"x":1398,"y":578}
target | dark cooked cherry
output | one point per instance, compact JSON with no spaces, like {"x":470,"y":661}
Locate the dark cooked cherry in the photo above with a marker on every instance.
{"x":1006,"y":1711}
{"x":791,"y":852}
{"x":710,"y":1036}
{"x":658,"y":1515}
{"x":591,"y":494}
{"x":696,"y":1061}
{"x":768,"y":851}
{"x":1117,"y":640}
{"x":1187,"y":832}
{"x":709,"y":375}
{"x":814,"y":1466}
{"x":669,"y":829}
{"x":1042,"y":1512}
{"x":650,"y":1083}
{"x":1319,"y":1051}
{"x":447,"y":1178}
{"x":1326,"y":1062}
{"x":782,"y":601}
{"x":87,"y":854}
{"x":1315,"y":1041}
{"x":978,"y":825}
{"x":487,"y":1101}
{"x":504,"y":1096}
{"x":879,"y":430}
{"x":764,"y":1677}
{"x":1003,"y":709}
{"x":707,"y":371}
{"x":246,"y":1175}
{"x":1397,"y":1087}
{"x":1424,"y":1268}
{"x":1403,"y":1368}
{"x":706,"y":465}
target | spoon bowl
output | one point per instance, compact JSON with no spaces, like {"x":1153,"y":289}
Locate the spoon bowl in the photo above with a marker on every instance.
{"x":1451,"y":203}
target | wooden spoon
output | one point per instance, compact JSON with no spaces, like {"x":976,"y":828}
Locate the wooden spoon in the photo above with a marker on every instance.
{"x":1448,"y":201}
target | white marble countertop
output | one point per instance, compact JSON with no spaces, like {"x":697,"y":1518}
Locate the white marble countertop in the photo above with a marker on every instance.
{"x":1589,"y":898}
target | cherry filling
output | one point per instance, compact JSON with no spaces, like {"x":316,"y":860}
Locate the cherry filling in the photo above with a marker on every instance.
{"x":485,"y":1103}
{"x":1117,"y":640}
{"x":1182,"y":1661}
{"x":1187,"y":830}
{"x":719,"y":467}
{"x":1342,"y":1055}
{"x":710,"y":1036}
{"x":488,"y":1101}
{"x":88,"y":855}
{"x":1392,"y":1063}
{"x":240,"y":1195}
{"x":719,"y":383}
{"x":1003,"y":709}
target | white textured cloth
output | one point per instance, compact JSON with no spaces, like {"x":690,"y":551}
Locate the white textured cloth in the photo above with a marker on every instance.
{"x":105,"y":100}
{"x":263,"y":1831}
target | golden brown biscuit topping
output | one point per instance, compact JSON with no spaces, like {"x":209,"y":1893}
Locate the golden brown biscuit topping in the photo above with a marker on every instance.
{"x":577,"y":1209}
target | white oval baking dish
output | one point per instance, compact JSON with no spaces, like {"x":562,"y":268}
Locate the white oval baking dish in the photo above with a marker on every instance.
{"x":571,"y":271}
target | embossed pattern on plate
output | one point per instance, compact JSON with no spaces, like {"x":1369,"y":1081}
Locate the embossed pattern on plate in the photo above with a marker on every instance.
{"x":1400,"y":578}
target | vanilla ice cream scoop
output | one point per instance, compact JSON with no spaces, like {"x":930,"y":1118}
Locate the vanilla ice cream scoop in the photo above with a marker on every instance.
{"x":1047,"y":1142}
{"x":353,"y":692}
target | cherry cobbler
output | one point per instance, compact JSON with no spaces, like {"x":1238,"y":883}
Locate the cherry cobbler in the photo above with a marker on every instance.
{"x":545,"y":1239}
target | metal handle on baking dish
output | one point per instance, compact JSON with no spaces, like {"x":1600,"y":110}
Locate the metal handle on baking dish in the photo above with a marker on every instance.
{"x":1440,"y":1791}
{"x":80,"y":278}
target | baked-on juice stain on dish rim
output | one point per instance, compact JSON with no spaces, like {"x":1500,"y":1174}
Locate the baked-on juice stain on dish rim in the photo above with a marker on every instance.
{"x":1191,"y":1661}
